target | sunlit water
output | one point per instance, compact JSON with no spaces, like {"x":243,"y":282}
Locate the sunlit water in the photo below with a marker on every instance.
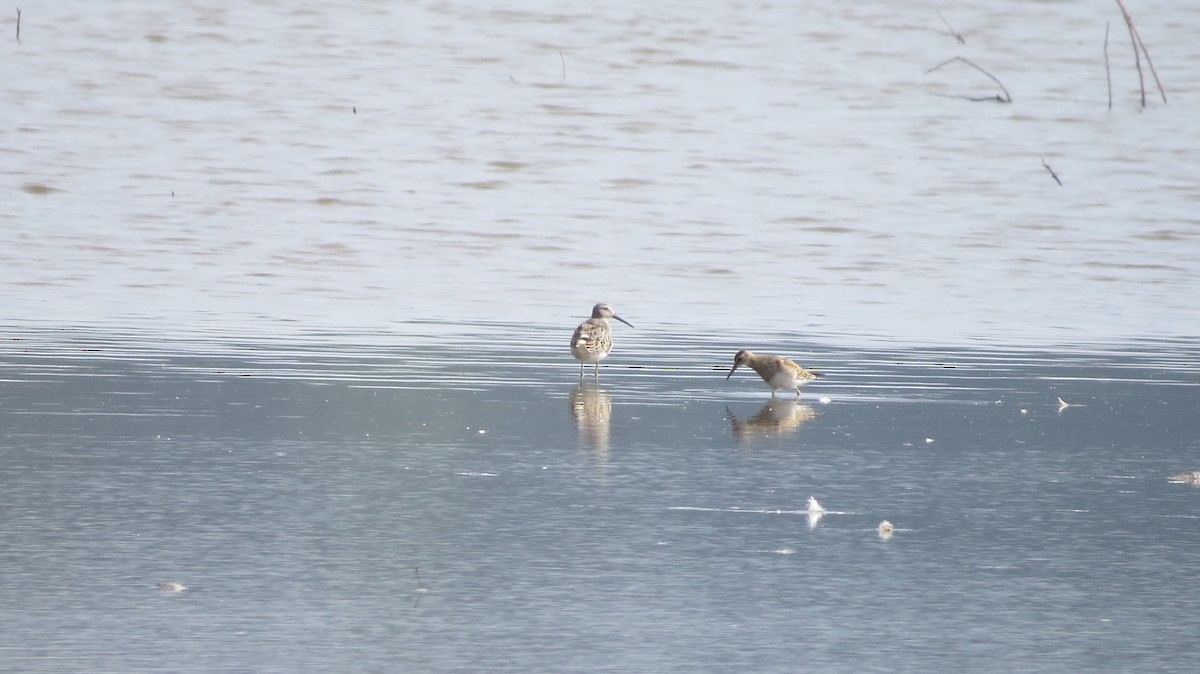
{"x":287,"y":289}
{"x":651,"y":522}
{"x":784,"y":166}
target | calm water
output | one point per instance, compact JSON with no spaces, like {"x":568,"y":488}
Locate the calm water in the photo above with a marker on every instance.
{"x":286,"y":291}
{"x":652,"y":523}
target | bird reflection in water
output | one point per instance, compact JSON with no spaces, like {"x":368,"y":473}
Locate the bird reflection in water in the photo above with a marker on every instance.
{"x":778,"y":418}
{"x":591,"y":406}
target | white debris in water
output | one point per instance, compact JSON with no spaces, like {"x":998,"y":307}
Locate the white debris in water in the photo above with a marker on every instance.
{"x":170,"y":587}
{"x":885,"y":529}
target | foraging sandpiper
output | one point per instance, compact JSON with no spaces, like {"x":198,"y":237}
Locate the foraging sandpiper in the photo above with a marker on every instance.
{"x":778,"y":372}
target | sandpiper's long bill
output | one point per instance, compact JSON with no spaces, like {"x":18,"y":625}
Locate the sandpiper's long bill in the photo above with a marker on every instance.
{"x":778,"y":372}
{"x":592,"y":341}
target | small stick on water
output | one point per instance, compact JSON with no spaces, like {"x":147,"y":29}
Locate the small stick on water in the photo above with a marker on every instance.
{"x":1006,"y":98}
{"x":950,"y":28}
{"x":1052,"y":173}
{"x":1107,"y":69}
{"x":1136,"y":38}
{"x":564,"y":65}
{"x":18,"y":25}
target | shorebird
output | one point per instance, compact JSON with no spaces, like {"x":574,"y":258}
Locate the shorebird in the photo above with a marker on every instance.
{"x":592,"y":341}
{"x":777,"y":371}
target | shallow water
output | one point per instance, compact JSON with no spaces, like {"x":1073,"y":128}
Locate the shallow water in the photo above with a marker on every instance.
{"x":287,"y":288}
{"x":231,"y":167}
{"x":652,"y":522}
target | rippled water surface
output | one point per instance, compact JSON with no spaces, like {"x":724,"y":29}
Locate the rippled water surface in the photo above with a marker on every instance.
{"x":287,"y":286}
{"x":789,"y":167}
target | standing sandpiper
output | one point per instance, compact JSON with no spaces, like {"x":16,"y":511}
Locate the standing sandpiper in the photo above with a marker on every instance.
{"x":592,"y":341}
{"x":778,"y":372}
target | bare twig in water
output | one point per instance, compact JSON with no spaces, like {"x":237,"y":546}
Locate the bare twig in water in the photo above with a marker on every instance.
{"x":18,"y":25}
{"x":1107,"y":69}
{"x":1137,"y":57}
{"x":950,"y":28}
{"x":1052,"y":173}
{"x":1139,"y":45}
{"x":1005,"y":98}
{"x":564,"y":65}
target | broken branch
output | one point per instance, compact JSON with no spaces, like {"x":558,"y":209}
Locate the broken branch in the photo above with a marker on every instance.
{"x":1005,"y":98}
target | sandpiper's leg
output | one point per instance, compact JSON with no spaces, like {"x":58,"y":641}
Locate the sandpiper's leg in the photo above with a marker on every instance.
{"x":797,"y":393}
{"x":597,"y":375}
{"x":772,"y":391}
